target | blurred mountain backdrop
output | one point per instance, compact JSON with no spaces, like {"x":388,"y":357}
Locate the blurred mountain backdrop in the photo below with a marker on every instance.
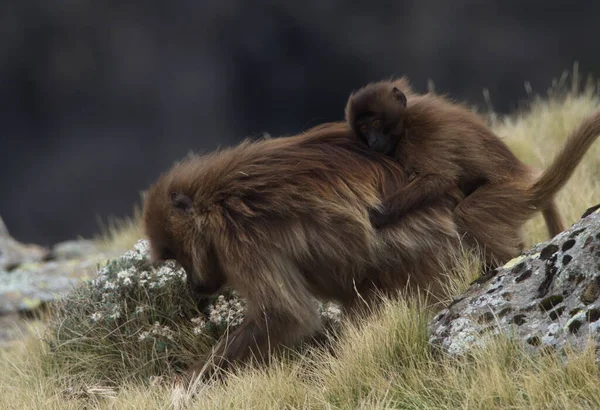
{"x":97,"y":98}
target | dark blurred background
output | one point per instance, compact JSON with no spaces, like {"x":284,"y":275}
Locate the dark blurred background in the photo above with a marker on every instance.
{"x":97,"y":98}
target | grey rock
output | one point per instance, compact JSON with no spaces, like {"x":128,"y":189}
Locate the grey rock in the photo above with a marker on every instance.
{"x":14,"y":253}
{"x":31,"y":275}
{"x":74,"y":249}
{"x":30,"y":285}
{"x":549,"y":297}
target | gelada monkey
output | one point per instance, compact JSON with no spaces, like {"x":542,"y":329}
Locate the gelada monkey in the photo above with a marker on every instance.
{"x":446,"y":145}
{"x":284,"y":221}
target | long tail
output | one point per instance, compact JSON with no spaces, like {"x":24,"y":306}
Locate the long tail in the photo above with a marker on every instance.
{"x":558,"y":173}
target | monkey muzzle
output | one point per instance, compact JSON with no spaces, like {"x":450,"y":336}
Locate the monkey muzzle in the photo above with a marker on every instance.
{"x":379,"y":142}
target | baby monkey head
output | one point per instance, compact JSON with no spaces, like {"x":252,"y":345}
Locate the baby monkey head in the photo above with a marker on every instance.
{"x":376,"y":114}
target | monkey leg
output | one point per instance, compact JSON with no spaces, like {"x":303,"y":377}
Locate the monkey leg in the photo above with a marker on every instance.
{"x":554,"y":222}
{"x":491,"y":219}
{"x":281,"y":311}
{"x":370,"y":294}
{"x":365,"y":297}
{"x":254,"y":341}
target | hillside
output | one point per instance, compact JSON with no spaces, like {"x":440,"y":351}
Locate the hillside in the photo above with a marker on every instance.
{"x":384,"y":363}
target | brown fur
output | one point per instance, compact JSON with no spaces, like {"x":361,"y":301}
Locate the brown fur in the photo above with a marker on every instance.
{"x":446,"y":145}
{"x":283,"y":221}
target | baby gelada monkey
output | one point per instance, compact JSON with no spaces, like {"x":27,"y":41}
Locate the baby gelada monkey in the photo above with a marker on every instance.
{"x":446,"y":145}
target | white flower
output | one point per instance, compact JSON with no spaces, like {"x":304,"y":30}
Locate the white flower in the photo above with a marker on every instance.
{"x":198,"y":321}
{"x":163,"y":331}
{"x":96,"y":316}
{"x":142,"y":246}
{"x":123,"y":274}
{"x":143,"y":336}
{"x":110,"y":285}
{"x":129,"y":255}
{"x":140,"y":309}
{"x":225,"y":312}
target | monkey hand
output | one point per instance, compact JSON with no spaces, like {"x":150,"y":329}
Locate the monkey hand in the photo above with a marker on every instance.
{"x":378,"y":219}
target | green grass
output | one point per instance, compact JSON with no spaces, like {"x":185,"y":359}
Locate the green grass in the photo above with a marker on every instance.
{"x":383,"y":362}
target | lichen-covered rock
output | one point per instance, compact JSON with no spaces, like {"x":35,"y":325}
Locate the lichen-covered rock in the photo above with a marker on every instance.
{"x":31,"y":275}
{"x":30,"y":285}
{"x":549,"y":297}
{"x":75,"y":249}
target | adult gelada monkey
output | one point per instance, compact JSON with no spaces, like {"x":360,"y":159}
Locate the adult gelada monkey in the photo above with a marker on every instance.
{"x":446,"y":146}
{"x":284,"y":221}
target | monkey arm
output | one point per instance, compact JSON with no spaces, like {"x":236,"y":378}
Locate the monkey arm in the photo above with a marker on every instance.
{"x":253,"y":340}
{"x":420,"y":191}
{"x":280,"y":310}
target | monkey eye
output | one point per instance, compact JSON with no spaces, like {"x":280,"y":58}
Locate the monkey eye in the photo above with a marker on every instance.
{"x":364,"y":129}
{"x":376,"y":124}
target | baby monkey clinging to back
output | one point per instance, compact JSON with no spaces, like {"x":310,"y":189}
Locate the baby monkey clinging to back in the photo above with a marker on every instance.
{"x":445,"y":145}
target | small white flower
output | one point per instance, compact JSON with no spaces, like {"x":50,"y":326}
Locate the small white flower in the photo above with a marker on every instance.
{"x":110,"y":285}
{"x":142,"y":246}
{"x":163,"y":331}
{"x":123,"y":274}
{"x":140,"y":309}
{"x":96,"y":316}
{"x":198,"y":321}
{"x":143,"y":336}
{"x":129,"y":255}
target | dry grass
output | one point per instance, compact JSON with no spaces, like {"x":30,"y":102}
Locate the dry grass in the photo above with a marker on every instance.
{"x":536,"y":134}
{"x":384,"y":362}
{"x":119,"y":234}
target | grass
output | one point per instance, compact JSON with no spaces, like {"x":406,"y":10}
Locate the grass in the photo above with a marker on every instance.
{"x":384,"y":362}
{"x":119,"y":234}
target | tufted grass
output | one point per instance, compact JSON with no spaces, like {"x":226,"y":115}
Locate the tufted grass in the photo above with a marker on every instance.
{"x":119,"y":234}
{"x":385,"y":361}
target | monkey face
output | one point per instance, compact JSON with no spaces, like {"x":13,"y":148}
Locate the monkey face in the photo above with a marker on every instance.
{"x":376,"y":114}
{"x":372,"y":134}
{"x":172,"y":230}
{"x":377,"y":136}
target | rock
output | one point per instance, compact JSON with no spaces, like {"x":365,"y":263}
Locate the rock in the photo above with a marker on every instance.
{"x":31,"y":275}
{"x":31,"y":285}
{"x":74,"y":249}
{"x":549,"y":297}
{"x":14,"y":253}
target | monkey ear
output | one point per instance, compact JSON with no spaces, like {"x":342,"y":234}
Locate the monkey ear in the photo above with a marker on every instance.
{"x":399,"y":96}
{"x":181,"y":201}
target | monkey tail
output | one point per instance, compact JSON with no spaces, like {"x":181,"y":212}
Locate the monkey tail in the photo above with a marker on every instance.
{"x":560,"y":170}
